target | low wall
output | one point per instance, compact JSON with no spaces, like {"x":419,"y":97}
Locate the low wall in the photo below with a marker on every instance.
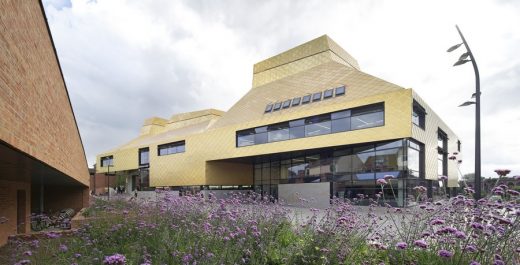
{"x":305,"y":194}
{"x":155,"y":196}
{"x":222,"y":194}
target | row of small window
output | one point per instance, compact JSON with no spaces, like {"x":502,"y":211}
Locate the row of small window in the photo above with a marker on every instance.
{"x":144,"y":153}
{"x":341,"y":121}
{"x":329,"y":93}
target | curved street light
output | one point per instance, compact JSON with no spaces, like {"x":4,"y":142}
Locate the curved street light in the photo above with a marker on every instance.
{"x":462,"y":60}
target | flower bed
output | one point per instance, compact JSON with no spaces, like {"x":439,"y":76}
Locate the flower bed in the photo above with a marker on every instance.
{"x":253,"y":230}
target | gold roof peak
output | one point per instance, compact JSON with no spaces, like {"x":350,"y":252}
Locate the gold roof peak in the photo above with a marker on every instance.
{"x":305,"y":56}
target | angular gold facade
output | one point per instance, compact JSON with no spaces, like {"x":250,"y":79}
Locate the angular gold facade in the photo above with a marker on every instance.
{"x":211,"y":154}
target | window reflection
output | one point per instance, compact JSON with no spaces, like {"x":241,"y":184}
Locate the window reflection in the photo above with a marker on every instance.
{"x":353,"y":170}
{"x":340,"y":121}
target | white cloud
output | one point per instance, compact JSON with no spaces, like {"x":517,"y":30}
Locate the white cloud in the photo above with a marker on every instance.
{"x":125,"y":61}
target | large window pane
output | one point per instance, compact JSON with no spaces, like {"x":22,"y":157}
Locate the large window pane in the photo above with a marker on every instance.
{"x":261,"y":138}
{"x":389,"y":160}
{"x":340,"y":114}
{"x":313,"y":165}
{"x":368,"y":120}
{"x":297,"y":169}
{"x":279,"y":135}
{"x":297,"y":132}
{"x":364,"y":162}
{"x":413,"y":162}
{"x":180,"y":149}
{"x":144,"y":156}
{"x":241,"y":141}
{"x":341,"y":125}
{"x":284,"y":169}
{"x":317,"y":128}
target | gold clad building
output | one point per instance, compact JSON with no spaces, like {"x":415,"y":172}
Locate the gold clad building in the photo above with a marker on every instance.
{"x":312,"y":122}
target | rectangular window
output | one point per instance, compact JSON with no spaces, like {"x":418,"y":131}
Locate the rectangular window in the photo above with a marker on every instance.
{"x":171,"y":148}
{"x":340,"y":114}
{"x":418,"y":115}
{"x":296,"y":101}
{"x":328,"y":93}
{"x":278,"y":132}
{"x":316,"y":97}
{"x":286,"y":104}
{"x":340,"y":91}
{"x":340,"y":125}
{"x":144,"y":156}
{"x":277,"y":106}
{"x":442,"y":146}
{"x":368,"y":120}
{"x":297,"y":132}
{"x":245,"y":138}
{"x":317,"y":125}
{"x":107,"y":161}
{"x":306,"y":99}
{"x":268,"y":108}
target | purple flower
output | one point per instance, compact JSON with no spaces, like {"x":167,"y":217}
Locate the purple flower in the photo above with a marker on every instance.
{"x":499,"y":262}
{"x":77,"y":255}
{"x":187,"y":258}
{"x":444,"y":253}
{"x":474,"y":263}
{"x":443,"y":177}
{"x":28,"y":253}
{"x":421,"y":243}
{"x":63,"y":248}
{"x":513,"y":192}
{"x":52,"y":235}
{"x":420,"y":189}
{"x":478,"y":226}
{"x":471,"y":248}
{"x":460,"y":235}
{"x":381,"y":182}
{"x":437,"y":222}
{"x":401,"y":245}
{"x":116,"y":259}
{"x":23,"y":262}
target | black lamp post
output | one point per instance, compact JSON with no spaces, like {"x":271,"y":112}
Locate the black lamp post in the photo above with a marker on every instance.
{"x":462,"y":60}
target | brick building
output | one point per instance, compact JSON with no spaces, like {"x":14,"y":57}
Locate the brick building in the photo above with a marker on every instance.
{"x":43,"y":166}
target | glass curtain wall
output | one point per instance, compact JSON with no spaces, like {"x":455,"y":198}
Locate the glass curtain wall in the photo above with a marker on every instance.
{"x":352,"y":171}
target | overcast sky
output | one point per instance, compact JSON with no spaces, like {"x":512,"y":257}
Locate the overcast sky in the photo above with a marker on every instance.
{"x":125,"y":61}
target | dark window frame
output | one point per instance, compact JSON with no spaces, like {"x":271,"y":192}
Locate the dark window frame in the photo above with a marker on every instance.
{"x":141,"y":150}
{"x":286,"y":104}
{"x":296,"y":101}
{"x":329,"y":93}
{"x":316,"y":96}
{"x":107,"y":158}
{"x":268,"y":108}
{"x":306,"y":99}
{"x":277,"y":106}
{"x":340,"y":91}
{"x":171,"y":145}
{"x":419,"y":112}
{"x":346,"y":114}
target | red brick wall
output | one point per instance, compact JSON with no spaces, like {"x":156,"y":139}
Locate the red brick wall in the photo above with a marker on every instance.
{"x":98,"y":183}
{"x":8,"y":207}
{"x":35,"y":114}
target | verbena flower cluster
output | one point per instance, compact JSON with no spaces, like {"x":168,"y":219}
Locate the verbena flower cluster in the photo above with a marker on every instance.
{"x":249,"y":229}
